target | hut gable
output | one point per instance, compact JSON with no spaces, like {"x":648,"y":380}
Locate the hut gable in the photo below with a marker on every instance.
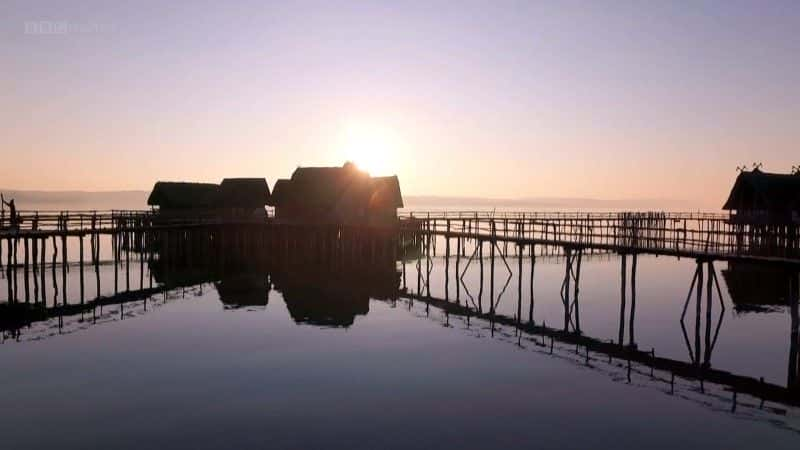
{"x":337,"y":195}
{"x":244,"y":193}
{"x":757,"y":190}
{"x":179,"y":195}
{"x":280,"y":193}
{"x":385,"y":193}
{"x":327,"y":187}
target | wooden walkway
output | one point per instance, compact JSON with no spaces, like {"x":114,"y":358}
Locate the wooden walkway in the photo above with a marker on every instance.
{"x":702,"y":236}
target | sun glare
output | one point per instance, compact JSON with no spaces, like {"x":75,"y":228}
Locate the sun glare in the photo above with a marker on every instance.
{"x":372,"y":148}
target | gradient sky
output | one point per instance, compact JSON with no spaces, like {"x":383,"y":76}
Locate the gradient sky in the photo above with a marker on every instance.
{"x":498,"y":99}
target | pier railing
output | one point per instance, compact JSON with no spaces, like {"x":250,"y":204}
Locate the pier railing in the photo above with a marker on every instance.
{"x":689,"y":234}
{"x":72,"y":220}
{"x":89,"y":221}
{"x":701,"y":235}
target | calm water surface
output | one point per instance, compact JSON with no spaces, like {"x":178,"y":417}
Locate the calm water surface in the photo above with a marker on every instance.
{"x":253,"y":361}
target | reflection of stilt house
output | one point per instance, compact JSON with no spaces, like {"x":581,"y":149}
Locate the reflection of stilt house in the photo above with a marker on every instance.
{"x":325,"y":297}
{"x":243,"y":290}
{"x":340,"y":195}
{"x":240,"y":198}
{"x":761,"y":198}
{"x":757,"y":287}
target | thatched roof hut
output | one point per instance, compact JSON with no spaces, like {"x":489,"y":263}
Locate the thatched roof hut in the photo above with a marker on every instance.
{"x":243,"y":192}
{"x":180,"y":195}
{"x":764,"y":197}
{"x":336,"y":195}
{"x":233,"y":196}
{"x":280,"y":193}
{"x":385,"y":192}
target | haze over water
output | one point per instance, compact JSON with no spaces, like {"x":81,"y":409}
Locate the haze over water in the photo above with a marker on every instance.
{"x":247,"y":358}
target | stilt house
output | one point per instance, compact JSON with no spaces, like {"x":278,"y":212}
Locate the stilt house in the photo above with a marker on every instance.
{"x":761,"y":198}
{"x":340,"y":195}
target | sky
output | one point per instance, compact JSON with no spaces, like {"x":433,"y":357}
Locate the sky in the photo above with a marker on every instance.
{"x":603,"y":99}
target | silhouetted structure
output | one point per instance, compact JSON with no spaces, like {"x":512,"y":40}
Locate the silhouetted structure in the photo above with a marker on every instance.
{"x":757,"y":287}
{"x":243,"y":290}
{"x":244,"y":197}
{"x":319,"y":296}
{"x":337,"y":195}
{"x":233,"y":198}
{"x":762,"y":198}
{"x":180,"y":197}
{"x":13,"y":217}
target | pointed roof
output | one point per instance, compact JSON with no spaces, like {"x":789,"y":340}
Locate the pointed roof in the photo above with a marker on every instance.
{"x":280,"y":193}
{"x":183,"y":195}
{"x":244,"y":192}
{"x":386,"y":192}
{"x":762,"y":190}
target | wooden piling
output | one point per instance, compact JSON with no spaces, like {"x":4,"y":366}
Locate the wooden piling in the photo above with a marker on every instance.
{"x":624,"y":283}
{"x":80,"y":265}
{"x":631,"y":334}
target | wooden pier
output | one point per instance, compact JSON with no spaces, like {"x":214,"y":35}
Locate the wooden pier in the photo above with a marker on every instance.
{"x":704,"y":236}
{"x":147,"y":252}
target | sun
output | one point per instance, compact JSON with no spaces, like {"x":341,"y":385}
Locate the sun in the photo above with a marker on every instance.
{"x":373,"y":148}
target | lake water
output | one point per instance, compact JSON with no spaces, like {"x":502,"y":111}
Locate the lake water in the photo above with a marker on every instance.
{"x":290,"y":359}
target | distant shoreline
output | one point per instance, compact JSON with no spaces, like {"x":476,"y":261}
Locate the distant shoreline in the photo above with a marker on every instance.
{"x":137,"y":199}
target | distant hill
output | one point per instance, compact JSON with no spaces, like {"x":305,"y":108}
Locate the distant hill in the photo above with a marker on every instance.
{"x":548,"y":203}
{"x":77,"y":200}
{"x":104,"y":200}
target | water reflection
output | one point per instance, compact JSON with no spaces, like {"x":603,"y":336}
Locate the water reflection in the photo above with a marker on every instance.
{"x":333,"y":294}
{"x":244,"y":290}
{"x":333,"y":298}
{"x":758,"y":287}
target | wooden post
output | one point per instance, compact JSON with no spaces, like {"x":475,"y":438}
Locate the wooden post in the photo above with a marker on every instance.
{"x":41,"y":272}
{"x":64,"y":262}
{"x":565,"y":287}
{"x":127,"y":249}
{"x":519,"y":250}
{"x":697,"y":312}
{"x":631,"y":334}
{"x":458,"y":268}
{"x":26,"y":272}
{"x":480,"y":290}
{"x":16,"y":282}
{"x":9,"y":268}
{"x":115,"y":255}
{"x":80,"y":256}
{"x":710,"y":282}
{"x":492,"y":245}
{"x":533,"y":266}
{"x":447,"y":263}
{"x":141,"y":261}
{"x":97,"y":264}
{"x":428,"y":264}
{"x":403,"y":252}
{"x":35,"y":264}
{"x":622,"y":300}
{"x":53,"y":267}
{"x":577,"y":291}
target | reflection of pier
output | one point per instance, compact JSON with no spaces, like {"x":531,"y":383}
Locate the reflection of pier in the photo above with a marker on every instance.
{"x":476,"y":252}
{"x":15,"y":317}
{"x":587,"y":346}
{"x":326,"y":272}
